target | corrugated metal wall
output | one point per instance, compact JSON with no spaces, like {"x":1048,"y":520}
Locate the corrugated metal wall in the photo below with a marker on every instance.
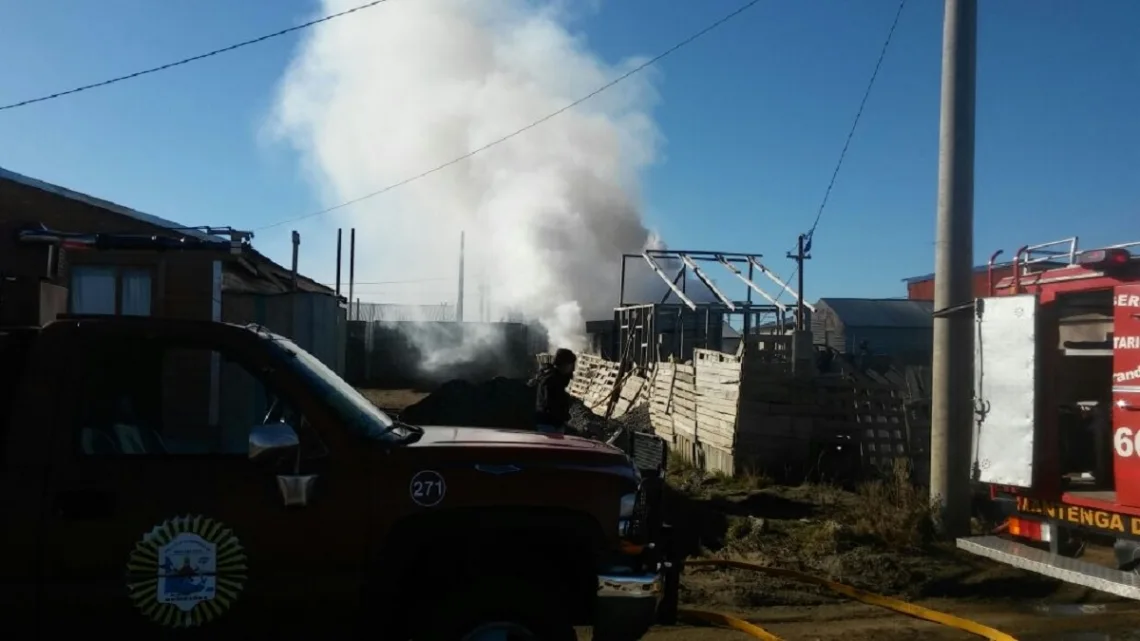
{"x":391,"y":354}
{"x":905,"y":345}
{"x":316,"y":322}
{"x":827,"y":329}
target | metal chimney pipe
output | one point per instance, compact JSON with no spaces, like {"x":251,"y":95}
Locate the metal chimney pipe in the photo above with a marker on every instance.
{"x":296,"y":250}
{"x":351,"y":266}
{"x":339,"y":260}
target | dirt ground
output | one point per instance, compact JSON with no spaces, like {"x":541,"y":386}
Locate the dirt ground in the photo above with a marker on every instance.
{"x":876,"y":537}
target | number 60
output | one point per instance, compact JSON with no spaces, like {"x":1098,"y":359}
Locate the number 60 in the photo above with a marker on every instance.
{"x":1126,"y":442}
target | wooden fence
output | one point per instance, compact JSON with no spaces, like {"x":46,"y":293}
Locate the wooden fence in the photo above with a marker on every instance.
{"x":729,"y":413}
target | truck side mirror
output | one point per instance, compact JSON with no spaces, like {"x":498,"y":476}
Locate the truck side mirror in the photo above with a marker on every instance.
{"x":265,"y":440}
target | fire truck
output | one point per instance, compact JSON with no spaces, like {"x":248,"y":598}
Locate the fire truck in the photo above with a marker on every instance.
{"x":1057,"y":413}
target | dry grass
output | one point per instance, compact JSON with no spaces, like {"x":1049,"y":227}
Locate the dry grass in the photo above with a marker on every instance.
{"x":698,"y":483}
{"x":894,"y":511}
{"x":886,"y":513}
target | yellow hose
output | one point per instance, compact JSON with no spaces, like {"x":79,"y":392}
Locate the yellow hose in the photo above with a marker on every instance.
{"x":909,"y":609}
{"x":726,"y":621}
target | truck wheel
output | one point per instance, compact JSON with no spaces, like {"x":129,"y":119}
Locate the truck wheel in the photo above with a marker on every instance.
{"x":499,"y":609}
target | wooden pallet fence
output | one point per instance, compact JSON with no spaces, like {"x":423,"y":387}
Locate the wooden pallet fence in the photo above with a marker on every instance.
{"x":631,"y":394}
{"x":660,"y":399}
{"x":730,"y":413}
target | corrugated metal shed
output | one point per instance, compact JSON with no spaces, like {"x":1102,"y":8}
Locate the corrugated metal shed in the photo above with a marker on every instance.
{"x":881,"y":312}
{"x":902,"y":329}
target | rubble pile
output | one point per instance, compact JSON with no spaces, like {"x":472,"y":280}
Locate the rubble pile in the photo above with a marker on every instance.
{"x":499,"y":402}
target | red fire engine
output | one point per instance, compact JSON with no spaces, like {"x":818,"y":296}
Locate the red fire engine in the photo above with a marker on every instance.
{"x":1057,"y":413}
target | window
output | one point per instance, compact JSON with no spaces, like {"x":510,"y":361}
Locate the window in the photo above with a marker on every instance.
{"x":149,"y":398}
{"x":110,"y":290}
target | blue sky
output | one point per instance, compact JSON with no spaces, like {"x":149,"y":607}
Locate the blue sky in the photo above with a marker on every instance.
{"x":754,"y":117}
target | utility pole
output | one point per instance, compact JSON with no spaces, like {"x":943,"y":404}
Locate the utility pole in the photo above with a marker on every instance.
{"x":459,"y":303}
{"x":803,"y":349}
{"x":951,"y":430}
{"x":800,"y":256}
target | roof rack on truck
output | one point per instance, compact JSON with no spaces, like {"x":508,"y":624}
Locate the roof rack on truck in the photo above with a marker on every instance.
{"x":1031,"y":261}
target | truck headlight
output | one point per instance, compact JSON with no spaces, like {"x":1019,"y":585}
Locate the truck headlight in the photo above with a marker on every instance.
{"x":627,"y":506}
{"x":627,"y":511}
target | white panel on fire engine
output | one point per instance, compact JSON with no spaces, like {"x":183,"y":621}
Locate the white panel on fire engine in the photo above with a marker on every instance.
{"x":1005,"y":389}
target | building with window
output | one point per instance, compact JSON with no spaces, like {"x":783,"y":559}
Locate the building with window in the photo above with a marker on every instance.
{"x":248,"y":288}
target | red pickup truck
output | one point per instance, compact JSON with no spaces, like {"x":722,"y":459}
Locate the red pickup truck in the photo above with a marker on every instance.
{"x":201,"y":480}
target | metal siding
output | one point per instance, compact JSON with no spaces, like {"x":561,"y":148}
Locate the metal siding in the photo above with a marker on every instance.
{"x":901,"y":329}
{"x":870,"y":312}
{"x":905,"y":345}
{"x":827,"y":328}
{"x":390,"y":353}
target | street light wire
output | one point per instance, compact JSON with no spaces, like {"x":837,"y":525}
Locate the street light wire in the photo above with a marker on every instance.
{"x":185,"y":61}
{"x":496,"y":142}
{"x":847,"y":142}
{"x":858,"y":116}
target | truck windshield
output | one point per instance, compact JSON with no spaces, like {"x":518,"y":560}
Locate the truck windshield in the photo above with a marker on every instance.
{"x":361,"y":415}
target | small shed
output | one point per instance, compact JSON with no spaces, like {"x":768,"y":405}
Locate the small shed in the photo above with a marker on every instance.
{"x":898,"y":328}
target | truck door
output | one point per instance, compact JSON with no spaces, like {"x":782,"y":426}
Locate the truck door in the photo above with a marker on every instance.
{"x":1006,"y":357}
{"x":1126,"y":393}
{"x":160,"y":522}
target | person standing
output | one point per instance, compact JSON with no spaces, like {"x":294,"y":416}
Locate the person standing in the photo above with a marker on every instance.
{"x":551,"y":395}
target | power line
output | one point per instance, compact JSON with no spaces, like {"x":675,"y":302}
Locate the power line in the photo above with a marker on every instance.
{"x":184,"y":61}
{"x":858,"y":115}
{"x":847,"y":142}
{"x":532,"y":125}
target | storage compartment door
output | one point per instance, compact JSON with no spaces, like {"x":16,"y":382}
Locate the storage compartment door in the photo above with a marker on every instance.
{"x":1006,"y":355}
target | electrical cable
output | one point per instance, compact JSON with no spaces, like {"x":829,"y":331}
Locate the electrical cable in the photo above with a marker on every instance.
{"x":184,"y":61}
{"x":493,"y":143}
{"x":850,"y":135}
{"x":858,"y":116}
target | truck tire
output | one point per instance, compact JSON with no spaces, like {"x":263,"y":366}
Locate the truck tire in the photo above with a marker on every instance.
{"x":525,"y":610}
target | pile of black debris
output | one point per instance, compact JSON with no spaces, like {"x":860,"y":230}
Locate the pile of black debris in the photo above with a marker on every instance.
{"x":509,"y":403}
{"x":500,"y":402}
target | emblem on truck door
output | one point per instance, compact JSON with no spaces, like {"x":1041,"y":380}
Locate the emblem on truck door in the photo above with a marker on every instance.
{"x":427,"y":488}
{"x":185,"y":572}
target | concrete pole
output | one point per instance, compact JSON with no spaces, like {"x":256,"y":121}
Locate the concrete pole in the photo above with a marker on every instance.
{"x":952,"y":372}
{"x":459,"y":303}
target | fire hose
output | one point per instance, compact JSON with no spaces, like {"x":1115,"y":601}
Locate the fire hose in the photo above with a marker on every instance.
{"x":863,"y":596}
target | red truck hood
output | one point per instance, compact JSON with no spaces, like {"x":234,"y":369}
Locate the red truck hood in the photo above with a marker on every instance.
{"x":500,"y":438}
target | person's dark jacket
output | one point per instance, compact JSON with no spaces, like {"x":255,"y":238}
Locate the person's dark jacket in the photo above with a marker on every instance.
{"x":551,"y":399}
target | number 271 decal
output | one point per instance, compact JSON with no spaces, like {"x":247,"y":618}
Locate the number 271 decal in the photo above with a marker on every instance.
{"x":427,"y":488}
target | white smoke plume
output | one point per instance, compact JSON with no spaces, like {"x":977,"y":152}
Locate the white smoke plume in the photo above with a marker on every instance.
{"x":390,"y":92}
